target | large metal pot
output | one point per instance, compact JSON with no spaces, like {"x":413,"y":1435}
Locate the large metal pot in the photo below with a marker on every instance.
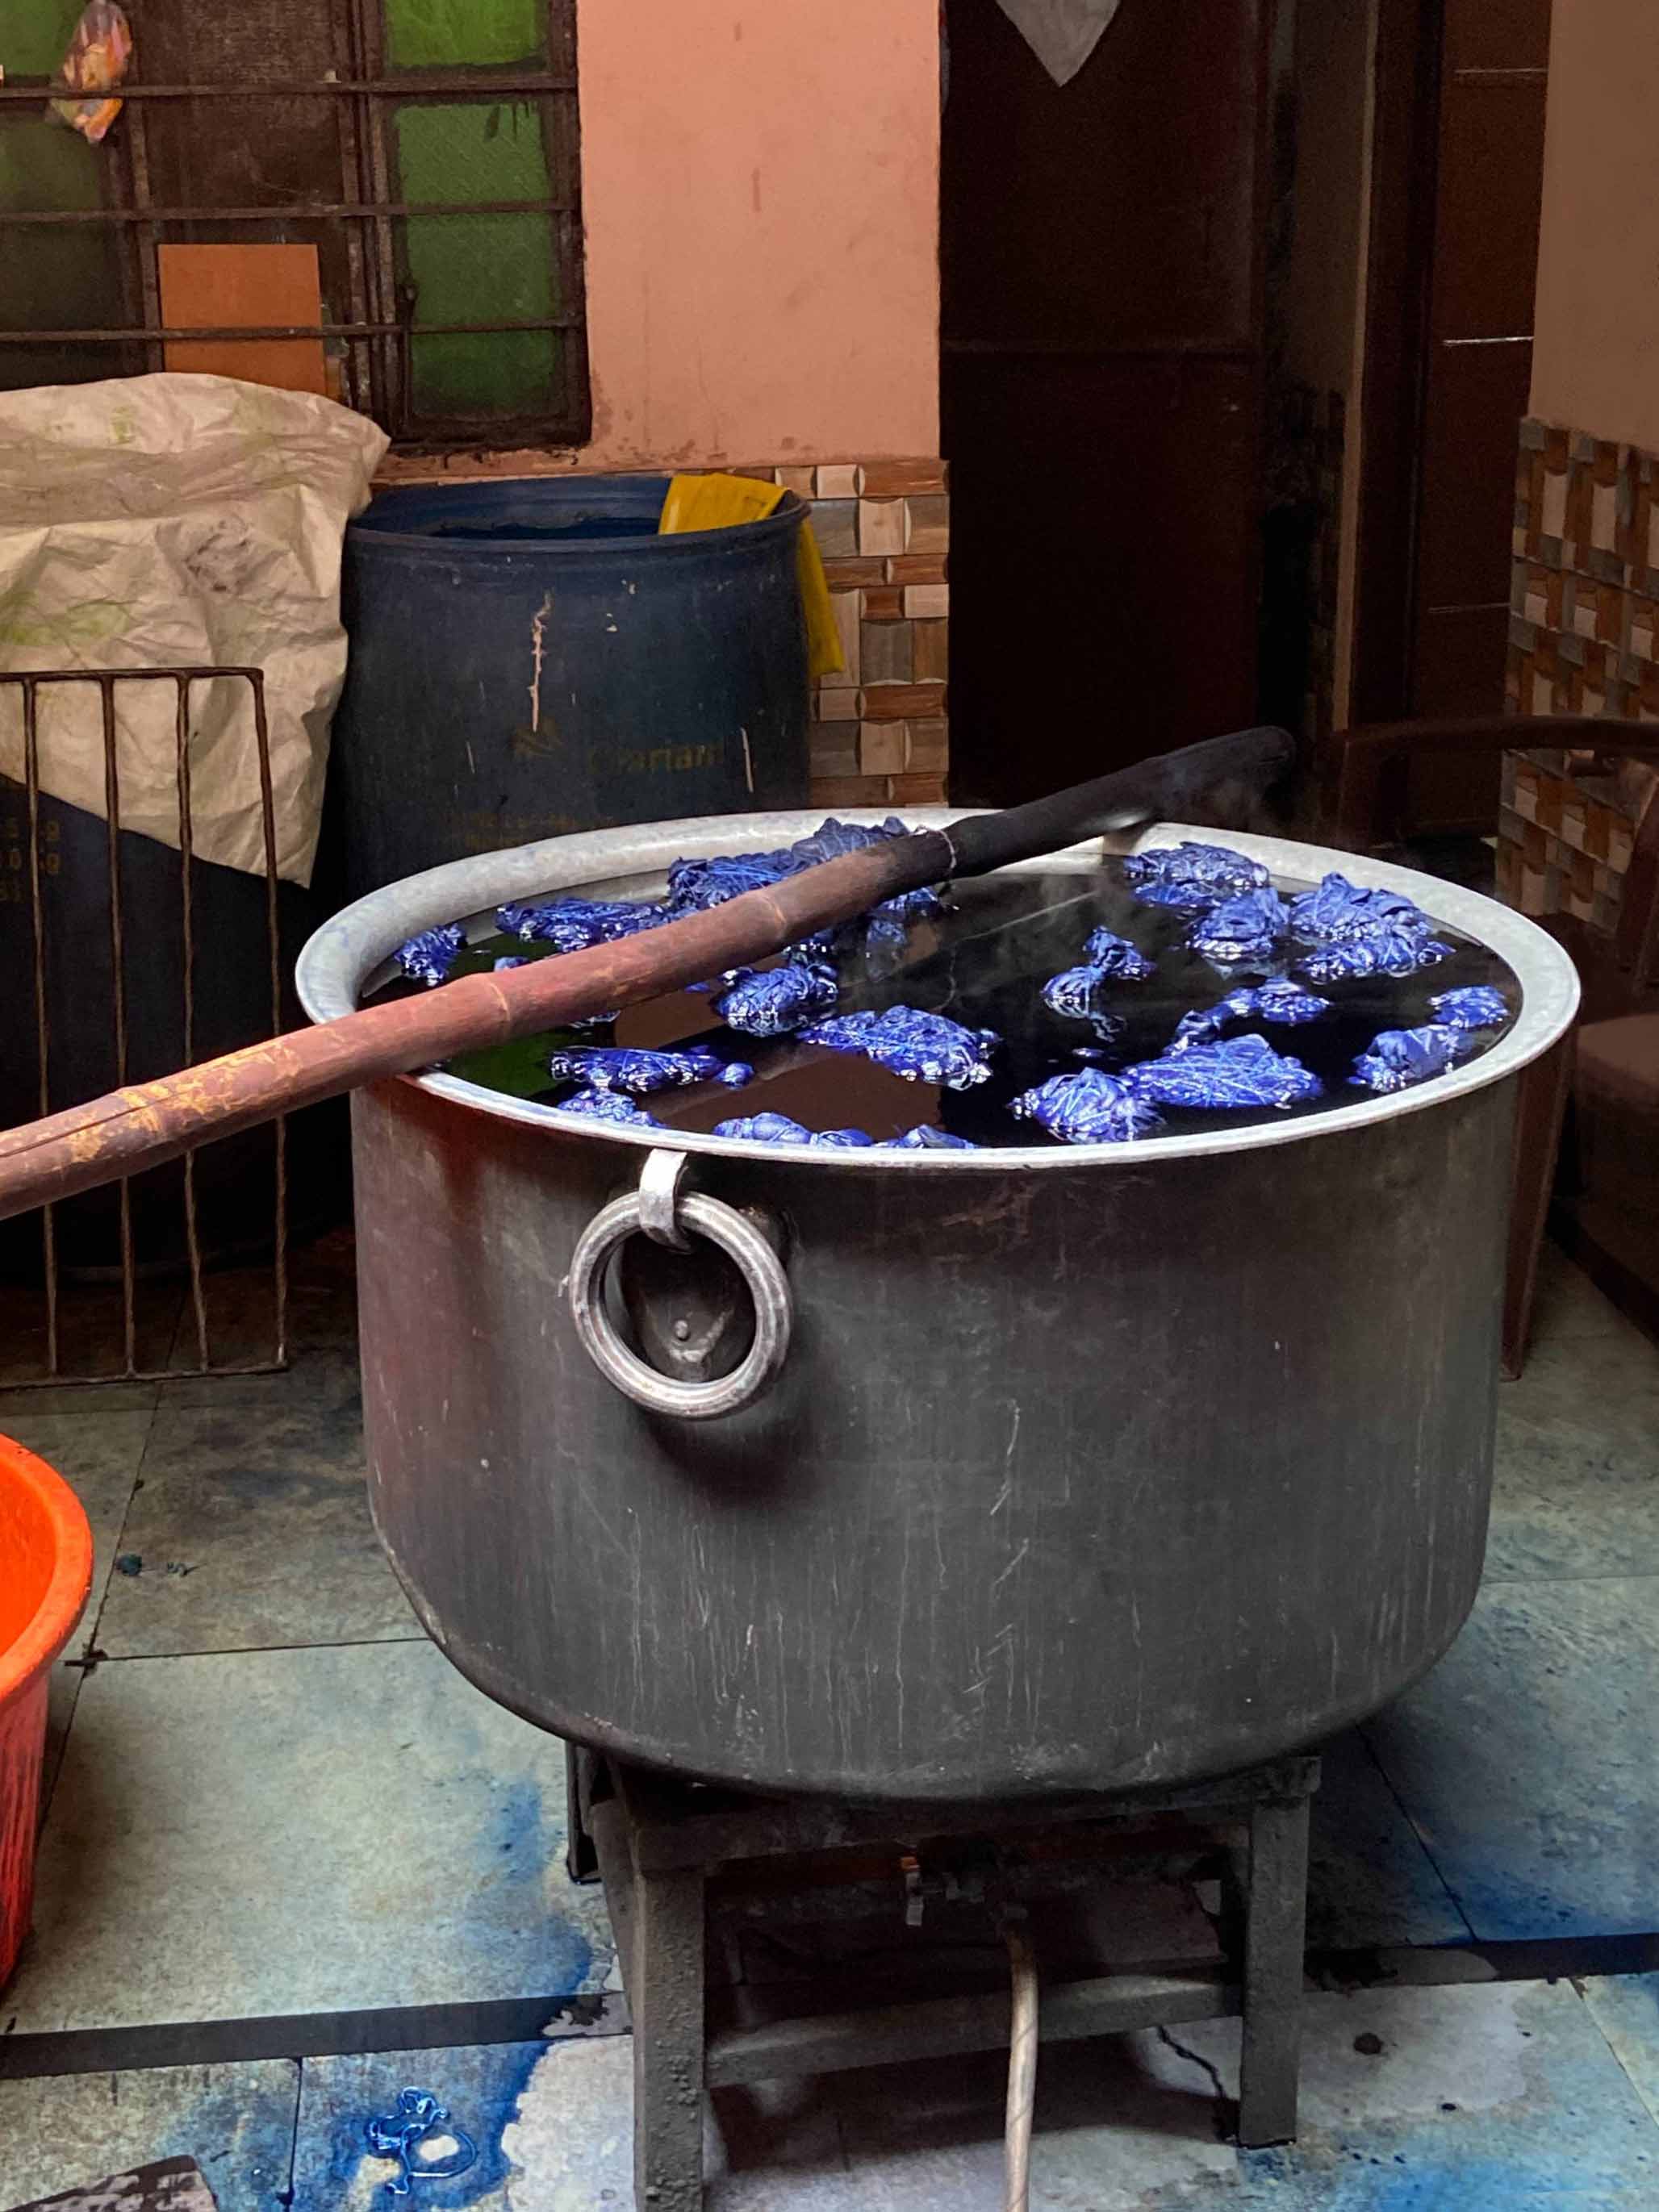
{"x":1046,"y":1469}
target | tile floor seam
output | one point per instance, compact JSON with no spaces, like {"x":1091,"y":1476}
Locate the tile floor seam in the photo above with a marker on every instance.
{"x":88,"y":1642}
{"x":285,"y":2195}
{"x":1452,"y":1898}
{"x":254,"y":1650}
{"x":1577,"y":1982}
{"x":1561,"y":1582}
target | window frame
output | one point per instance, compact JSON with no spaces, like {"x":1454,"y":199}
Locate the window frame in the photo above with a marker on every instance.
{"x":374,"y":345}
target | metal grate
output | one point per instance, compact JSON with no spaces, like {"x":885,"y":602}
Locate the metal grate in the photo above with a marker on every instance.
{"x":39,"y":858}
{"x":360,"y":210}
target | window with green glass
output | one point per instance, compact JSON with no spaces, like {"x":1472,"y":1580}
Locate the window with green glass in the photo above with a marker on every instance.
{"x":428,"y":148}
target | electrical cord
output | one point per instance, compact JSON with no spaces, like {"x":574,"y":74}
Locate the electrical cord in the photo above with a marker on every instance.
{"x":1022,"y":2063}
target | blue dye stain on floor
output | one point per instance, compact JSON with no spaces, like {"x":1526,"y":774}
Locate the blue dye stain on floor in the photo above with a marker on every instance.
{"x":515,"y":1896}
{"x":481,"y":2085}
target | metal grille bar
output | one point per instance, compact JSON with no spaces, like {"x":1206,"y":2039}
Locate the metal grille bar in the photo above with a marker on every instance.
{"x":29,"y":683}
{"x":297,"y":211}
{"x":473,"y":83}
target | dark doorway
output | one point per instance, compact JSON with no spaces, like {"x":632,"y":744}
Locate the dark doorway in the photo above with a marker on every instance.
{"x":1457,"y":182}
{"x":1102,"y":251}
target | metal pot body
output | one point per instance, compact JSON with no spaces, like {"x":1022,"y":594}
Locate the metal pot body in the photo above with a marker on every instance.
{"x":1082,"y":1470}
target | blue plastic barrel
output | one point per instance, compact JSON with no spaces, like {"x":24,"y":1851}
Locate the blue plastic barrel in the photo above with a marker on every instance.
{"x":531,"y":657}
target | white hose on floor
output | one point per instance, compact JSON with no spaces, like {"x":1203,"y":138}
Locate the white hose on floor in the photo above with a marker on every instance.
{"x":1022,"y":2066}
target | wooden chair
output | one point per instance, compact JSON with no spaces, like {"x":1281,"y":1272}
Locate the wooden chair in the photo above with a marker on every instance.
{"x":1364,"y":801}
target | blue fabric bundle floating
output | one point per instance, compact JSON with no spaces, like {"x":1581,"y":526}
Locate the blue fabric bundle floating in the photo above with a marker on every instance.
{"x":1192,"y":877}
{"x":1076,"y":993}
{"x":833,"y":839}
{"x":608,"y":1106}
{"x":1109,"y":954}
{"x":770,"y":1002}
{"x":922,"y":1047}
{"x":571,"y":925}
{"x":779,"y":1129}
{"x":1399,"y":1059}
{"x":1247,"y":927}
{"x":1476,"y":1007}
{"x":1279,"y":1001}
{"x":925,"y":1140}
{"x":1232,"y":1074}
{"x":1088,"y":1108}
{"x":1357,"y":933}
{"x":622,"y":1067}
{"x":429,"y":957}
{"x":694,"y":886}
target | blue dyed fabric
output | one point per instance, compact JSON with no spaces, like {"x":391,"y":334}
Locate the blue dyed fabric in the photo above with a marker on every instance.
{"x":608,"y":1106}
{"x":622,"y":1067}
{"x":429,"y":957}
{"x":1246,"y":927}
{"x":1230,"y":1074}
{"x":925,"y":1140}
{"x":922,"y":1048}
{"x":1398,"y":1059}
{"x":1358,"y":932}
{"x":1109,"y":954}
{"x":1192,"y":877}
{"x":694,"y":886}
{"x":832,"y":839}
{"x":571,"y":925}
{"x":772,"y":1001}
{"x":779,"y":1129}
{"x":511,"y":960}
{"x":1076,"y":993}
{"x":1477,"y":1007}
{"x":1088,"y":1108}
{"x":1279,"y":1002}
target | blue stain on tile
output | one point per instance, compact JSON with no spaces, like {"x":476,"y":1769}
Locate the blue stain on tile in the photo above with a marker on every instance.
{"x":520,"y":1848}
{"x":481,"y":2087}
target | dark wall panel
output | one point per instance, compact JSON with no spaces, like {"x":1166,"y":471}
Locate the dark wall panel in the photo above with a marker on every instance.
{"x":1103,"y":598}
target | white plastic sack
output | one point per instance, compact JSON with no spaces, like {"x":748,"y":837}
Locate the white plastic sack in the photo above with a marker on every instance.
{"x":154,"y":521}
{"x":1062,"y":33}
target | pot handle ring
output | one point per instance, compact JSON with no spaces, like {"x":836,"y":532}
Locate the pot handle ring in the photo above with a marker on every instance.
{"x":664,"y":1212}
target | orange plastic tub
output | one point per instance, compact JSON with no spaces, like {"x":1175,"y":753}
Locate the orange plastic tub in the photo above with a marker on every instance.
{"x":45,"y":1573}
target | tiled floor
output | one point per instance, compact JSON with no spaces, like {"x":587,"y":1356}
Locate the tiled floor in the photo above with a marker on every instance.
{"x":275,"y":1803}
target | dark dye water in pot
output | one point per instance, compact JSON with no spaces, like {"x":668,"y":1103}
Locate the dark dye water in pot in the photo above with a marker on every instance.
{"x":984,"y":965}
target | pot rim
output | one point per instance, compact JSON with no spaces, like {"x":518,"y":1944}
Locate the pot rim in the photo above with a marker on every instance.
{"x":345,"y":954}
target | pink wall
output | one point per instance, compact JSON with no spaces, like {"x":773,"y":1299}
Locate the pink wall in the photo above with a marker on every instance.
{"x":760,"y":179}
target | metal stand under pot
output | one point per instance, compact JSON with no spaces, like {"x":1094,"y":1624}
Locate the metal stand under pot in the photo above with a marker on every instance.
{"x":679,"y":1861}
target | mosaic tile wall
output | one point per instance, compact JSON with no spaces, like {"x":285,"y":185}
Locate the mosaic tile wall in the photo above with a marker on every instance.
{"x":880,"y":733}
{"x":1583,"y":639}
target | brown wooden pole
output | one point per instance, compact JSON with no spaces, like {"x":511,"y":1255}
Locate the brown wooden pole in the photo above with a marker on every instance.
{"x":149,"y":1123}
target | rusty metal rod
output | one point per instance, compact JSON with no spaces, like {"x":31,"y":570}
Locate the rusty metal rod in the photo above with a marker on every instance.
{"x":147,"y":1123}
